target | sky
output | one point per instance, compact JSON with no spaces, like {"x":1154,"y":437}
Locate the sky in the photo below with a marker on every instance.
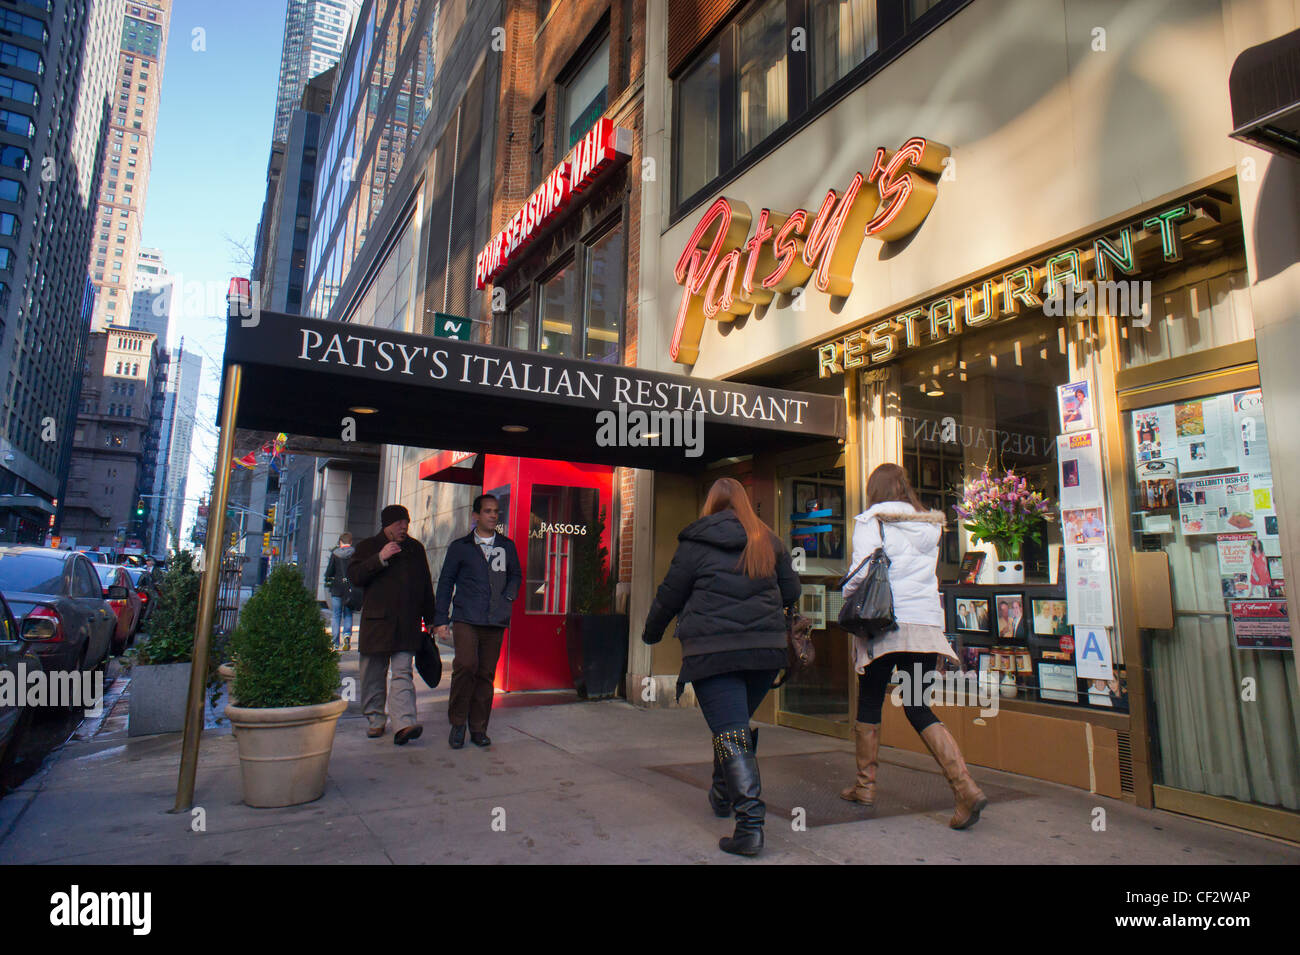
{"x":208,"y":180}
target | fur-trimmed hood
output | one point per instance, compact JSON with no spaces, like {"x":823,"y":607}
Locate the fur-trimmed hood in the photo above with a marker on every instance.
{"x":923,"y":517}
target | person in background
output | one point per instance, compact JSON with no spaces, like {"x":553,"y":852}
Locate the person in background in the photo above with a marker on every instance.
{"x":910,"y":535}
{"x":336,"y":580}
{"x":729,"y":585}
{"x":399,"y":594}
{"x":477,"y":587}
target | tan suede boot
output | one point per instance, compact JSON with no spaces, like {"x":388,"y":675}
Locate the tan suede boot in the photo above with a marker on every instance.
{"x":866,"y":736}
{"x":970,"y":801}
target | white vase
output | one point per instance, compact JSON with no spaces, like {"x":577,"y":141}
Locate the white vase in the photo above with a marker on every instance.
{"x":1008,"y":686}
{"x":1009,"y":572}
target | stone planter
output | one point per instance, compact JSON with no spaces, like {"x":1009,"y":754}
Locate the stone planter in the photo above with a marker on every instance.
{"x":158,"y":697}
{"x":284,"y":752}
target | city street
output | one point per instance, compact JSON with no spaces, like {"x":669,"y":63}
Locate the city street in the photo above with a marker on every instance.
{"x":567,"y":782}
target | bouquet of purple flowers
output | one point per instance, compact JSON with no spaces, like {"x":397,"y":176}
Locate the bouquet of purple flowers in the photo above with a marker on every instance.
{"x":1003,"y":511}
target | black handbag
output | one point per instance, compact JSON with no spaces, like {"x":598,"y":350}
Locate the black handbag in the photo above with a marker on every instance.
{"x":870,"y":608}
{"x":428,"y":661}
{"x":356,"y":596}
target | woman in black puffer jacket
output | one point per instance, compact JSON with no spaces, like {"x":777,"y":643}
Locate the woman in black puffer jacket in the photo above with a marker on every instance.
{"x":729,"y":584}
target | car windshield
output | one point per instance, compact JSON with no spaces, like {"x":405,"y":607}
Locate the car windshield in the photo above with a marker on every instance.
{"x":107,"y":574}
{"x":31,"y":573}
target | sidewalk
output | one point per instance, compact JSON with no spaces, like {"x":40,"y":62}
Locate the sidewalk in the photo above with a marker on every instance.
{"x":565,"y":782}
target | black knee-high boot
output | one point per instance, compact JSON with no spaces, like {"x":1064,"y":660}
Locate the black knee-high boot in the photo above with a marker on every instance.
{"x":735,"y":749}
{"x":719,"y":800}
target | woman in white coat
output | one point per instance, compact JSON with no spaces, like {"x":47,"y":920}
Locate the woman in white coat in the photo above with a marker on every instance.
{"x":911,"y":540}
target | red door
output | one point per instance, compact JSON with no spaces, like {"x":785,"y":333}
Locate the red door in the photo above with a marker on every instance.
{"x":549,"y":508}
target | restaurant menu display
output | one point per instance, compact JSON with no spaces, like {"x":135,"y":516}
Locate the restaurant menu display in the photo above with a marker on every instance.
{"x":1216,"y":505}
{"x":1087,"y":586}
{"x":1083,"y":530}
{"x":1260,"y":624}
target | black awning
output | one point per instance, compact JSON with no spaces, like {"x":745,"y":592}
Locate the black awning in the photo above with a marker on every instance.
{"x":1264,"y":87}
{"x":310,"y":377}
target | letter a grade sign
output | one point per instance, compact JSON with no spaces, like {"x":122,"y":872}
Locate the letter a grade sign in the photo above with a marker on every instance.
{"x":725,"y":271}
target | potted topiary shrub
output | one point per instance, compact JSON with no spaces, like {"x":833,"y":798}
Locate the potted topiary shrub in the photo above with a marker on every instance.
{"x":287,"y":685}
{"x":595,"y":635}
{"x":160,"y":660}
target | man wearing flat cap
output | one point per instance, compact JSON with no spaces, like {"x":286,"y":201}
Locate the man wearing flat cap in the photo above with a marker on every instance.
{"x":394,"y":571}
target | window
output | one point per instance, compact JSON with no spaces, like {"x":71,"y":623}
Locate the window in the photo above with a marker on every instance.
{"x":21,"y":57}
{"x":843,"y":34}
{"x":16,"y":123}
{"x":605,"y":293}
{"x":11,"y":190}
{"x":584,"y":98}
{"x":519,"y":326}
{"x":19,"y":90}
{"x":8,"y":223}
{"x":698,"y":138}
{"x":26,"y":26}
{"x":558,"y":307}
{"x":537,"y":144}
{"x":15,"y":156}
{"x":762,"y":101}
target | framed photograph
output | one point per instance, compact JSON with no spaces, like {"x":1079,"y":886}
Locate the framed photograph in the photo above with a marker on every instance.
{"x":1058,"y":682}
{"x":930,"y":477}
{"x":1009,"y":618}
{"x":833,"y":498}
{"x":971,"y":565}
{"x":1050,"y":618}
{"x":988,"y":675}
{"x":832,"y":543}
{"x":1023,"y":662}
{"x":972,"y":614}
{"x":971,"y":658}
{"x":805,"y":497}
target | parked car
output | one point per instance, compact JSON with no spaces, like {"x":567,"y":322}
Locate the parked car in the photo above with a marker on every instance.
{"x":59,"y":603}
{"x":147,"y":590}
{"x":95,"y":557}
{"x":120,"y":593}
{"x":15,"y":719}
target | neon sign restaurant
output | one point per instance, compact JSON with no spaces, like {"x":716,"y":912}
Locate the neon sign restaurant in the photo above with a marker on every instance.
{"x":1030,"y":272}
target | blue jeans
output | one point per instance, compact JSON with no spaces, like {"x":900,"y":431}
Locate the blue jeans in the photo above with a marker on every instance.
{"x":342,"y":616}
{"x":728,"y":700}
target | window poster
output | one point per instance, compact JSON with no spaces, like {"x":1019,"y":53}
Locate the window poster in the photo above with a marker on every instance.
{"x":1087,"y":586}
{"x":1222,"y":504}
{"x":1153,"y":433}
{"x":1157,"y":488}
{"x":1092,"y":653}
{"x":1057,"y":681}
{"x":1251,"y":436}
{"x":1078,"y":458}
{"x":1236,"y":564}
{"x":1075,"y":404}
{"x":1204,"y":433}
{"x":1260,"y":624}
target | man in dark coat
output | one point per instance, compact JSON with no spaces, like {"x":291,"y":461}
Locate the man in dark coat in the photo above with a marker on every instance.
{"x":483,"y":569}
{"x":394,"y":571}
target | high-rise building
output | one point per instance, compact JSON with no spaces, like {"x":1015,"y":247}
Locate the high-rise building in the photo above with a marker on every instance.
{"x":315,"y":34}
{"x":134,"y":99}
{"x":111,"y":471}
{"x":56,"y":62}
{"x":182,"y":403}
{"x":151,"y":303}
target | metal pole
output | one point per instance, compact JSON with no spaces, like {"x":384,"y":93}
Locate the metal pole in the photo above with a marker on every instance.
{"x":213,"y":549}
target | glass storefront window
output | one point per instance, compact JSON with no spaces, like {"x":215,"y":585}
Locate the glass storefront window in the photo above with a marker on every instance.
{"x":1201,"y":487}
{"x":1201,"y":307}
{"x":519,"y":326}
{"x":560,"y":519}
{"x":815,"y":519}
{"x":606,"y":270}
{"x":762,"y":97}
{"x":559,"y":306}
{"x":844,"y":34}
{"x":698,"y":121}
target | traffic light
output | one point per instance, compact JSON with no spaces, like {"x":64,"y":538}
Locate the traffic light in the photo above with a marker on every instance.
{"x":139,"y":508}
{"x":266,"y":543}
{"x":270,"y":515}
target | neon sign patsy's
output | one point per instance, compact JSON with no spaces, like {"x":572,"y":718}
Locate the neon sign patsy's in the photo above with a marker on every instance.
{"x":724,"y":271}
